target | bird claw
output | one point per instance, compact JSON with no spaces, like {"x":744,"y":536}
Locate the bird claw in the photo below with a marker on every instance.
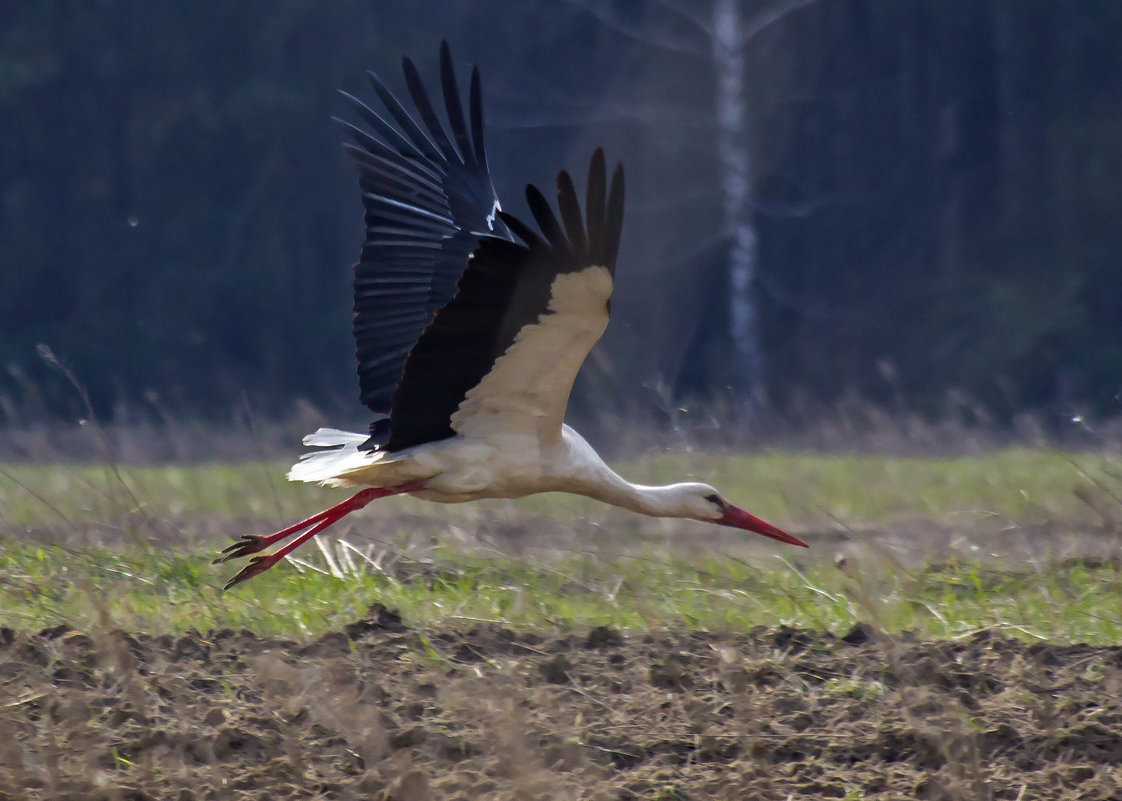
{"x":256,"y":566}
{"x":249,"y":543}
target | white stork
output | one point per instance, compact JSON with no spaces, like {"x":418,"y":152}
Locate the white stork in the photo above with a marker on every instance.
{"x":469,"y":340}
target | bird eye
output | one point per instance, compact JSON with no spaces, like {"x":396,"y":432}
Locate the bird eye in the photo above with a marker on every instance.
{"x":716,"y":500}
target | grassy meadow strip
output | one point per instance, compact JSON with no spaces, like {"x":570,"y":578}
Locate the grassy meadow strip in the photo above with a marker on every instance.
{"x":795,"y":489}
{"x":152,"y":590}
{"x":54,"y":569}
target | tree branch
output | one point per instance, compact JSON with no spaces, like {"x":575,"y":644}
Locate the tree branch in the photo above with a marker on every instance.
{"x":766,"y":19}
{"x":635,"y":33}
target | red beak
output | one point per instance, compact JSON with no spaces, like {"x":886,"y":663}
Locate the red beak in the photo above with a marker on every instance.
{"x":738,"y":518}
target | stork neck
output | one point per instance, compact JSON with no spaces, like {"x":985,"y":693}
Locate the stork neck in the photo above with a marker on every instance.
{"x":587,"y":474}
{"x":657,"y":501}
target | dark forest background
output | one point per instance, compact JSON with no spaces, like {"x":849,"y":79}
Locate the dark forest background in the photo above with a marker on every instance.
{"x":924,"y":197}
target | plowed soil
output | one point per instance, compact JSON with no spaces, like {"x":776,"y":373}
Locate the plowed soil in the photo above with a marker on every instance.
{"x":384,"y":711}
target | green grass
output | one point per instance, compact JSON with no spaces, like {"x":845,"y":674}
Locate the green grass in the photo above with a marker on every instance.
{"x":1021,"y":484}
{"x":162,"y":585}
{"x":151,"y":590}
{"x":789,"y":488}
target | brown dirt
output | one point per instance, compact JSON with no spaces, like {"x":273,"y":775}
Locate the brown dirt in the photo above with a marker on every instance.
{"x":382,"y":711}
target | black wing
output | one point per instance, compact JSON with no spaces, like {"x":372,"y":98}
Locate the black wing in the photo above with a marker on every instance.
{"x":428,"y":200}
{"x":467,"y":373}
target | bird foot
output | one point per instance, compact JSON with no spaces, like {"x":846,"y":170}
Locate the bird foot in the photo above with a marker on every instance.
{"x":256,"y":566}
{"x":249,"y":543}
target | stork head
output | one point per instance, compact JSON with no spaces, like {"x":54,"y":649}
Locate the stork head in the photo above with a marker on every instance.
{"x":706,"y":504}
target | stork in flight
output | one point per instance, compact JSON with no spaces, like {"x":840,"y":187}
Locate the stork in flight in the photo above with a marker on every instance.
{"x":470,"y":328}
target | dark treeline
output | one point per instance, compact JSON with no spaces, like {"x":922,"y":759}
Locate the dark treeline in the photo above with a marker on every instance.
{"x":924,"y":197}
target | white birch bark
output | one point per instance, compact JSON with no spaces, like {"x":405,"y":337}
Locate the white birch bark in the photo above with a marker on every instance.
{"x":736,"y":184}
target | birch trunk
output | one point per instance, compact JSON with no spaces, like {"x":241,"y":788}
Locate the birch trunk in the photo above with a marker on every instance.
{"x":746,"y":368}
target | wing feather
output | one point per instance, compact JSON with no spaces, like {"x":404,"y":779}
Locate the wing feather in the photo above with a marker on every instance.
{"x":426,"y":205}
{"x":570,"y":215}
{"x":452,"y":104}
{"x":613,"y":219}
{"x":503,"y":354}
{"x":546,"y":221}
{"x":475,"y":101}
{"x":594,"y":207}
{"x":420,"y":140}
{"x":428,"y":115}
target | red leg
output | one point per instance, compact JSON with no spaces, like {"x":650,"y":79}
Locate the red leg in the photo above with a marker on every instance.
{"x":252,"y":543}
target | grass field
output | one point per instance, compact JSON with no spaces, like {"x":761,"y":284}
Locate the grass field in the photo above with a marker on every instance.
{"x":1023,"y":540}
{"x":924,"y":646}
{"x":794,"y":488}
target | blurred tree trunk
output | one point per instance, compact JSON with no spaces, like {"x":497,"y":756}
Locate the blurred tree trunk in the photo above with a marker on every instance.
{"x":731,"y":33}
{"x":738,"y":227}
